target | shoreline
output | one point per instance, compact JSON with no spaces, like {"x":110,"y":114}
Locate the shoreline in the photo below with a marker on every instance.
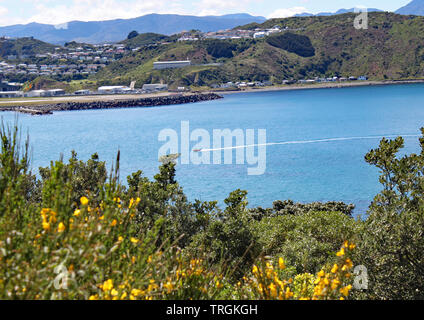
{"x":46,"y":106}
{"x":326,"y":85}
{"x":113,"y":102}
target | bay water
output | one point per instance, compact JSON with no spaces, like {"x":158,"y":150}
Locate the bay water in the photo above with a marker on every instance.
{"x":348,"y":121}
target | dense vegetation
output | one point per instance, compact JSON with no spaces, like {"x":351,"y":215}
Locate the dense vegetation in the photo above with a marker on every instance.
{"x":24,"y":46}
{"x":135,"y":40}
{"x":77,"y":232}
{"x":299,"y":44}
{"x":221,"y":49}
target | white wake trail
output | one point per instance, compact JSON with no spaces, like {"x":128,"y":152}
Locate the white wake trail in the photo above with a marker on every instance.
{"x":310,"y":141}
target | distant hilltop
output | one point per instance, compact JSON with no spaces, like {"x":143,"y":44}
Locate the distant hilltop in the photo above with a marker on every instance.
{"x":94,"y":32}
{"x":110,"y":31}
{"x":415,"y":7}
{"x":341,"y":11}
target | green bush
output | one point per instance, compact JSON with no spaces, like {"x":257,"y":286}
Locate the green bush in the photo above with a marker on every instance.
{"x":392,"y":246}
{"x":307,"y":241}
{"x":291,"y":42}
{"x":220,"y":49}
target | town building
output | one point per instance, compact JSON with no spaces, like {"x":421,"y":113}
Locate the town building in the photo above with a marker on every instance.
{"x":11,"y":94}
{"x":155,"y":87}
{"x":55,"y":92}
{"x":171,"y":64}
{"x":35,"y":93}
{"x":112,"y":89}
{"x":82,"y":92}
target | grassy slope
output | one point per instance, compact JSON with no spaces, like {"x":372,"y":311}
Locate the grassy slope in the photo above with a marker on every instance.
{"x":27,"y":46}
{"x":145,"y":39}
{"x":392,"y":48}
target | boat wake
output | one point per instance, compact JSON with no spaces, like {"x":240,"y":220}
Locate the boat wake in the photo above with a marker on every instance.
{"x":308,"y":142}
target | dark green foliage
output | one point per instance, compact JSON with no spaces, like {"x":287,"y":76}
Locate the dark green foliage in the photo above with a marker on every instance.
{"x":291,"y":42}
{"x":289,"y":207}
{"x":220,"y":48}
{"x":80,"y":178}
{"x":132,"y":35}
{"x":230,"y":237}
{"x":306,"y":240}
{"x":138,"y":40}
{"x":24,"y":46}
{"x":392,"y":246}
{"x":17,"y":184}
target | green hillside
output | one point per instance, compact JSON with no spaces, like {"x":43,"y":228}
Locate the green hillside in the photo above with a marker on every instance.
{"x":23,"y":46}
{"x":145,"y":39}
{"x":391,"y":48}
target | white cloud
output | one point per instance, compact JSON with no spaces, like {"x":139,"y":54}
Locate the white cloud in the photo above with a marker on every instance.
{"x":286,"y":12}
{"x":95,"y":10}
{"x":7,"y":19}
{"x":219,"y":7}
{"x":3,"y":11}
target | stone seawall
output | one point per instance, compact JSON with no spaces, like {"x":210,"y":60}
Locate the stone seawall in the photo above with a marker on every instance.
{"x":113,"y":104}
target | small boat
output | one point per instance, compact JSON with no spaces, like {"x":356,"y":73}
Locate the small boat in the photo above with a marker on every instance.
{"x":197,"y":150}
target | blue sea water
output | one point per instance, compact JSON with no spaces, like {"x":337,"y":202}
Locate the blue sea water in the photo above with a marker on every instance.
{"x":306,"y":172}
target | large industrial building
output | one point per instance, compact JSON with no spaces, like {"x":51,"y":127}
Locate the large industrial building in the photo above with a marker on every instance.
{"x":171,"y":64}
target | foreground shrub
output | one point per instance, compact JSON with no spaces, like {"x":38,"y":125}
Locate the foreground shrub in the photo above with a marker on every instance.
{"x":306,"y":240}
{"x":392,"y":246}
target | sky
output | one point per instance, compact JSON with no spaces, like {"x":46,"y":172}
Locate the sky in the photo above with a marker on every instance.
{"x":61,"y":11}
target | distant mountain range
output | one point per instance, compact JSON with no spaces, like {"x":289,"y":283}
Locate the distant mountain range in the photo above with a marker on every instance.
{"x":167,"y":24}
{"x":341,"y":11}
{"x":117,"y":30}
{"x":415,"y":7}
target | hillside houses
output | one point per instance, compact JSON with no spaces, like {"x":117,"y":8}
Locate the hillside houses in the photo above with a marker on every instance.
{"x":231,"y":34}
{"x":63,"y":61}
{"x":49,"y":69}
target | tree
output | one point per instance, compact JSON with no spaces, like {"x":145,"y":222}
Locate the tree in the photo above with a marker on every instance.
{"x":229,"y":239}
{"x":132,"y":35}
{"x":392,"y":246}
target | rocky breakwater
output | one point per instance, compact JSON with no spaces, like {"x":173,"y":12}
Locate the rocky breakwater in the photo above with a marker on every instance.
{"x":115,"y":103}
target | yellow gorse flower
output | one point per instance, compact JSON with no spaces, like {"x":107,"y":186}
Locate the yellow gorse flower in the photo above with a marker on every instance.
{"x":341,"y":252}
{"x":345,"y":291}
{"x":84,"y":201}
{"x":281,"y":264}
{"x":134,"y":240}
{"x":107,"y":285}
{"x":255,"y":270}
{"x":61,"y":227}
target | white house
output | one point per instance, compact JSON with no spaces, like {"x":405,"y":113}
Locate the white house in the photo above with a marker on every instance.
{"x":260,"y":34}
